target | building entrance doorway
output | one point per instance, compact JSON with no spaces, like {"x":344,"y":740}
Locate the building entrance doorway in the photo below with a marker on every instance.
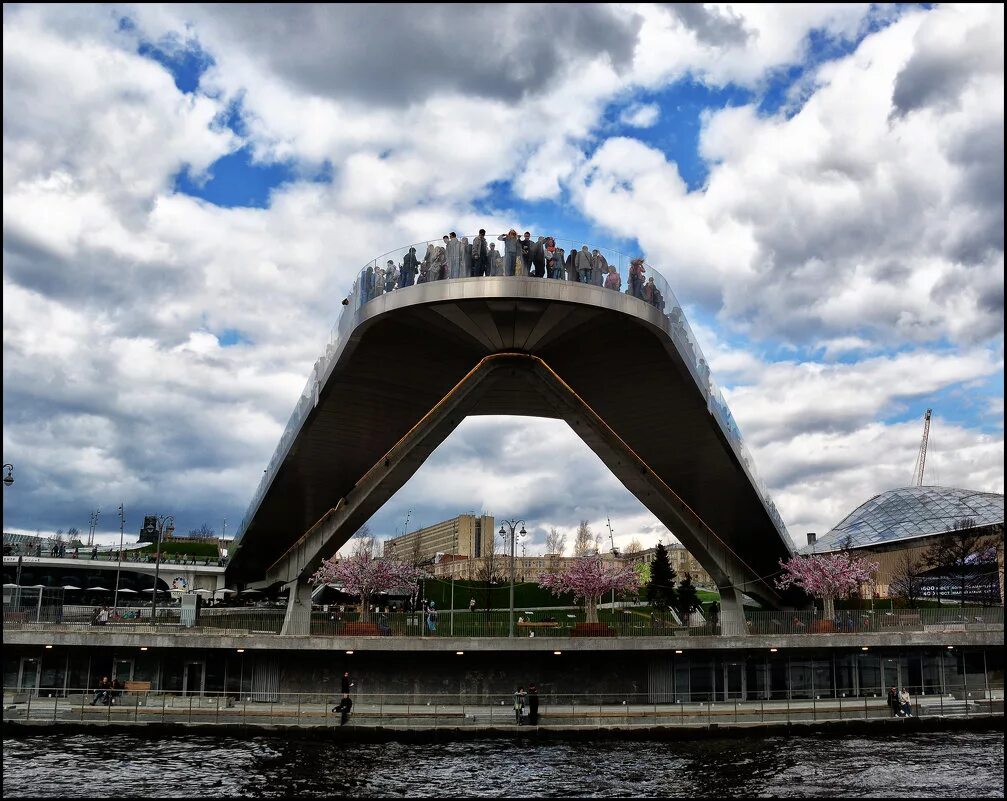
{"x":28,"y":674}
{"x":734,"y":681}
{"x":122,"y":670}
{"x":194,"y":678}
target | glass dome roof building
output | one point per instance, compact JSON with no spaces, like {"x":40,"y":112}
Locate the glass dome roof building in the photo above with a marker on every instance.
{"x":911,"y":512}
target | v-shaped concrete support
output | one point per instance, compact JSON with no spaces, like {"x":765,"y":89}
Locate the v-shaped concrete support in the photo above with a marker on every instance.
{"x":530,"y":374}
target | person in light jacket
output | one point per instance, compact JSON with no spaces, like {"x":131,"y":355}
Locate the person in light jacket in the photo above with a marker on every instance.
{"x":453,"y":250}
{"x":600,"y":264}
{"x":584,"y":265}
{"x":510,"y":241}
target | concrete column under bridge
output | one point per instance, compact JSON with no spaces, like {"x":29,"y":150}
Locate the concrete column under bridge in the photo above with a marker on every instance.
{"x":297,"y":619}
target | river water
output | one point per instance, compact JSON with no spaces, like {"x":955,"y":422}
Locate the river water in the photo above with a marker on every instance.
{"x":941,"y":764}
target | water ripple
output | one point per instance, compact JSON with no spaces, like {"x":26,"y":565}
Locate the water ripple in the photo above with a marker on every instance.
{"x":940,"y":764}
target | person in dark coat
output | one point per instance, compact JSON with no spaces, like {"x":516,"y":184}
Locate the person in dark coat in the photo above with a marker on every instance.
{"x":410,"y":266}
{"x":345,"y":686}
{"x":532,"y":705}
{"x":893,"y":701}
{"x":525,"y":247}
{"x":571,"y":265}
{"x":480,"y":255}
{"x":538,"y":257}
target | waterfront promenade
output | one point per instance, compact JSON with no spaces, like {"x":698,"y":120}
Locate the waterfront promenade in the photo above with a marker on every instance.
{"x":561,"y":713}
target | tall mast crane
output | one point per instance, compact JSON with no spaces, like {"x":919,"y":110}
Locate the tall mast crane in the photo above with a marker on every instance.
{"x":921,"y":459}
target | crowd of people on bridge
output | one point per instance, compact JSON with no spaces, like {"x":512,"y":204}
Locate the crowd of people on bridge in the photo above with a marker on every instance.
{"x":519,"y":255}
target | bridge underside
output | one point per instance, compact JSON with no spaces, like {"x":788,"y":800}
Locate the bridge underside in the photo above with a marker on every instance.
{"x":605,"y":363}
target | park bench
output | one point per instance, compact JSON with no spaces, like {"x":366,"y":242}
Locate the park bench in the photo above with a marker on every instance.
{"x":137,"y":687}
{"x":535,"y":624}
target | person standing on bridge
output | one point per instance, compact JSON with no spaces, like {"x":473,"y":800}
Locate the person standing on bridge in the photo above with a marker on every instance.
{"x":480,"y":255}
{"x":510,"y":241}
{"x":519,"y":698}
{"x":410,"y":266}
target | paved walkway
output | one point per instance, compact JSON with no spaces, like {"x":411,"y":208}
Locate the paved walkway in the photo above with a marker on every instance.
{"x":210,"y":711}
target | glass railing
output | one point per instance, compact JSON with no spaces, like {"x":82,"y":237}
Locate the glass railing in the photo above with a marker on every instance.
{"x":549,"y":259}
{"x":565,"y":624}
{"x":244,"y":703}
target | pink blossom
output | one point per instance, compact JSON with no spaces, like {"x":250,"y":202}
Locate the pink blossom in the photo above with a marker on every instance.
{"x":827,"y":576}
{"x":590,"y":578}
{"x":363,"y":575}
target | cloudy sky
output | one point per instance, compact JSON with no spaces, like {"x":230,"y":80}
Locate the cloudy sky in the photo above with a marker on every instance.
{"x":189,"y":191}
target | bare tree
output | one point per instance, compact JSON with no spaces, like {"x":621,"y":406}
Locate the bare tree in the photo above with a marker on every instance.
{"x":204,"y":532}
{"x":363,"y":541}
{"x":586,"y":542}
{"x":555,"y":543}
{"x":907,"y":578}
{"x":966,"y":557}
{"x":635,"y":546}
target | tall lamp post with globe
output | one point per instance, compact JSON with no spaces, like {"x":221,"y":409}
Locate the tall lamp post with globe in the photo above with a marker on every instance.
{"x":165,"y":524}
{"x":510,"y":526}
{"x":8,"y":479}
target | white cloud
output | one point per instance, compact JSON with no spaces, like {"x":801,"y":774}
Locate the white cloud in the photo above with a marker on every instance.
{"x":841,"y":227}
{"x":839,"y":220}
{"x":640,"y":115}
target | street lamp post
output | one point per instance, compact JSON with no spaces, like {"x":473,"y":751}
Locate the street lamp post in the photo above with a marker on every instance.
{"x":8,"y":479}
{"x":118,"y":568}
{"x":166,"y":524}
{"x":511,"y":525}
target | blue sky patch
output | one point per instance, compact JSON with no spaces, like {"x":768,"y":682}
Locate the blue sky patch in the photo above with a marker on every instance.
{"x":676,"y":133}
{"x":236,"y":181}
{"x":186,"y":61}
{"x":230,"y":337}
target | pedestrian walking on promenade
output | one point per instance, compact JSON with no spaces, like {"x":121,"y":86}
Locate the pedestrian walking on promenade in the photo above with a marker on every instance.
{"x":519,"y":699}
{"x":432,"y":617}
{"x":345,"y":685}
{"x":472,"y":604}
{"x":532,"y":705}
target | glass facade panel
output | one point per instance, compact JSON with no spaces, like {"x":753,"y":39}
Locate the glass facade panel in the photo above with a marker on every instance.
{"x":824,"y":680}
{"x":975,"y":674}
{"x":172,"y":672}
{"x":801,"y":677}
{"x":869,"y":676}
{"x":930,"y":662}
{"x":846,"y":675}
{"x":701,"y":678}
{"x":954,"y":673}
{"x":912,"y":672}
{"x":52,"y":674}
{"x":778,"y":681}
{"x":757,"y":677}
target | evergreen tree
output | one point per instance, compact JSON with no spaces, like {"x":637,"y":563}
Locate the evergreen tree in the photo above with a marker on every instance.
{"x":661,"y":592}
{"x":688,"y":599}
